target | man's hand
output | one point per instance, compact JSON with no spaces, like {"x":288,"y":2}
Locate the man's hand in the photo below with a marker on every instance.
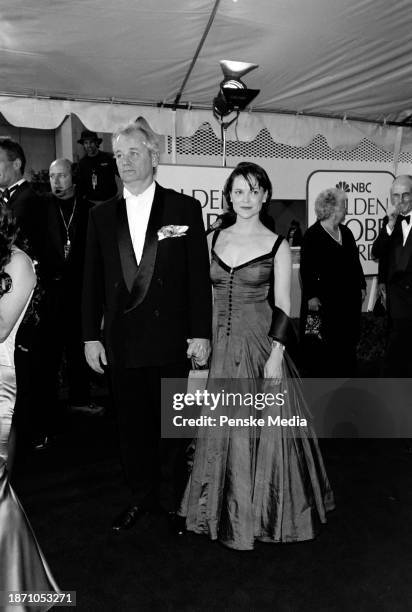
{"x":314,"y":304}
{"x":199,"y":350}
{"x":95,"y":355}
{"x":382,"y":293}
{"x":392,"y":212}
{"x":363,"y":294}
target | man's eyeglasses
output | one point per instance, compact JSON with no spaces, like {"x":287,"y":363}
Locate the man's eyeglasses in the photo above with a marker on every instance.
{"x":397,"y":197}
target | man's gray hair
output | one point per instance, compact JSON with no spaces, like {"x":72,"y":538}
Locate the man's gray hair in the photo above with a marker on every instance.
{"x":151,"y":139}
{"x":402,"y":176}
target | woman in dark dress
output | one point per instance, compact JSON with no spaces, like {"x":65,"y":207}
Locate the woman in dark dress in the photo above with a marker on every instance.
{"x":248,"y":484}
{"x":333,"y":285}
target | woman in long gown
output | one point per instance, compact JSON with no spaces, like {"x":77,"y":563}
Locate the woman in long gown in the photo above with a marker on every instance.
{"x":333,"y":284}
{"x":22,"y":566}
{"x":270,"y":487}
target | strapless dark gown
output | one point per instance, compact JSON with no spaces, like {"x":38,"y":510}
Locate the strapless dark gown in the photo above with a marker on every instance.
{"x":243,"y":488}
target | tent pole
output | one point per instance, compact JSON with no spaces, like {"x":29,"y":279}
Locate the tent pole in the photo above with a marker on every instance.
{"x":223,"y":129}
{"x":397,"y":149}
{"x":197,"y":52}
{"x":223,"y":132}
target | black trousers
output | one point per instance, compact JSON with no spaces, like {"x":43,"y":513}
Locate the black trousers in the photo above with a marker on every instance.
{"x":398,"y":354}
{"x":60,"y":333}
{"x":155,"y":468}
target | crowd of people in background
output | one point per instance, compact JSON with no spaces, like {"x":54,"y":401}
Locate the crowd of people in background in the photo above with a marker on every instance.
{"x":54,"y":223}
{"x":99,"y":248}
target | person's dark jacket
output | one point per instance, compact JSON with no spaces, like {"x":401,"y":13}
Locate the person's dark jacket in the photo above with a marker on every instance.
{"x":57,"y":268}
{"x":396,"y":262}
{"x":149,"y":309}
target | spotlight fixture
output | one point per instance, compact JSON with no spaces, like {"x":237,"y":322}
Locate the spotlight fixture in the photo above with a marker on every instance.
{"x":233,"y":94}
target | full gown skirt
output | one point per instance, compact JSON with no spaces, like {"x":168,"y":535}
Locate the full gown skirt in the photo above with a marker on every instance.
{"x":244,"y":486}
{"x":22,"y":565}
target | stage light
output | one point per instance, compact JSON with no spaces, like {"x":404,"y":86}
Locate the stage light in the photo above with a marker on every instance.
{"x":233,"y":94}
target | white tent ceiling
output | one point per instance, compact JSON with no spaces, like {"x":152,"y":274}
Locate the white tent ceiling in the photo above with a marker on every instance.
{"x":341,"y":58}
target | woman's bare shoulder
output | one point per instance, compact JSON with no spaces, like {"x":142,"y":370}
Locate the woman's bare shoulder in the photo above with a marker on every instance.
{"x":20,"y":263}
{"x":17,"y":255}
{"x":226,"y":232}
{"x":283,"y":252}
{"x":226,"y":235}
{"x":268,"y":238}
{"x":267,"y":232}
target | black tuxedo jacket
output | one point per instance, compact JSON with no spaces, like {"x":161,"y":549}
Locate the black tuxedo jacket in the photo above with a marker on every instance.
{"x":29,"y":210}
{"x":55,"y":266}
{"x":149,"y":309}
{"x":395,"y":264}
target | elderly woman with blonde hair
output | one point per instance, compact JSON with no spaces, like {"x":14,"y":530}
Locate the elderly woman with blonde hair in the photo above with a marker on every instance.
{"x":333,"y":284}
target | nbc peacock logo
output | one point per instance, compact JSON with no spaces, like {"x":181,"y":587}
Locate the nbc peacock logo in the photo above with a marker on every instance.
{"x":343,"y":185}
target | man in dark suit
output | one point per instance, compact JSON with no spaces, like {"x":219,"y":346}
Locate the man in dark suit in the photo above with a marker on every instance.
{"x":152,"y":286}
{"x":60,"y":329}
{"x":393,"y":248}
{"x":96,"y":171}
{"x":18,"y":195}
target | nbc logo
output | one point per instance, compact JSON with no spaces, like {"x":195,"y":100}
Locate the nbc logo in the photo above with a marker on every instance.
{"x":343,"y":185}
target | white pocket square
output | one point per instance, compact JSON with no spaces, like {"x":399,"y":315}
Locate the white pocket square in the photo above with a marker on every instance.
{"x":172,"y":231}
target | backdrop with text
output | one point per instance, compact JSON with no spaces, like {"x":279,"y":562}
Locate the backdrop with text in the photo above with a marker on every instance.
{"x":205,"y":183}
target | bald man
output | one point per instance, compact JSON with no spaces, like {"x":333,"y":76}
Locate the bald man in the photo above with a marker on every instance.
{"x":393,"y":248}
{"x":62,"y":276}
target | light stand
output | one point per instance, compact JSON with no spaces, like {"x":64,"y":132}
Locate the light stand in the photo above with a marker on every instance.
{"x":223,"y":128}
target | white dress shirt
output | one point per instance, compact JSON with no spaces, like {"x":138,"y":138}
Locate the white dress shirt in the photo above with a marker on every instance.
{"x":17,"y":184}
{"x":13,"y":187}
{"x":406,"y":228}
{"x":138,"y":211}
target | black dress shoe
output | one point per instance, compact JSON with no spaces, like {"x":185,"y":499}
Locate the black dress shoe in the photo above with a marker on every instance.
{"x":91,"y":409}
{"x":129,"y":517}
{"x":177,"y":524}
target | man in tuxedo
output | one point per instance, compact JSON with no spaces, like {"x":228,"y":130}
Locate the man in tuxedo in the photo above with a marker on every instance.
{"x":154,"y":292}
{"x":18,"y":195}
{"x":393,"y":248}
